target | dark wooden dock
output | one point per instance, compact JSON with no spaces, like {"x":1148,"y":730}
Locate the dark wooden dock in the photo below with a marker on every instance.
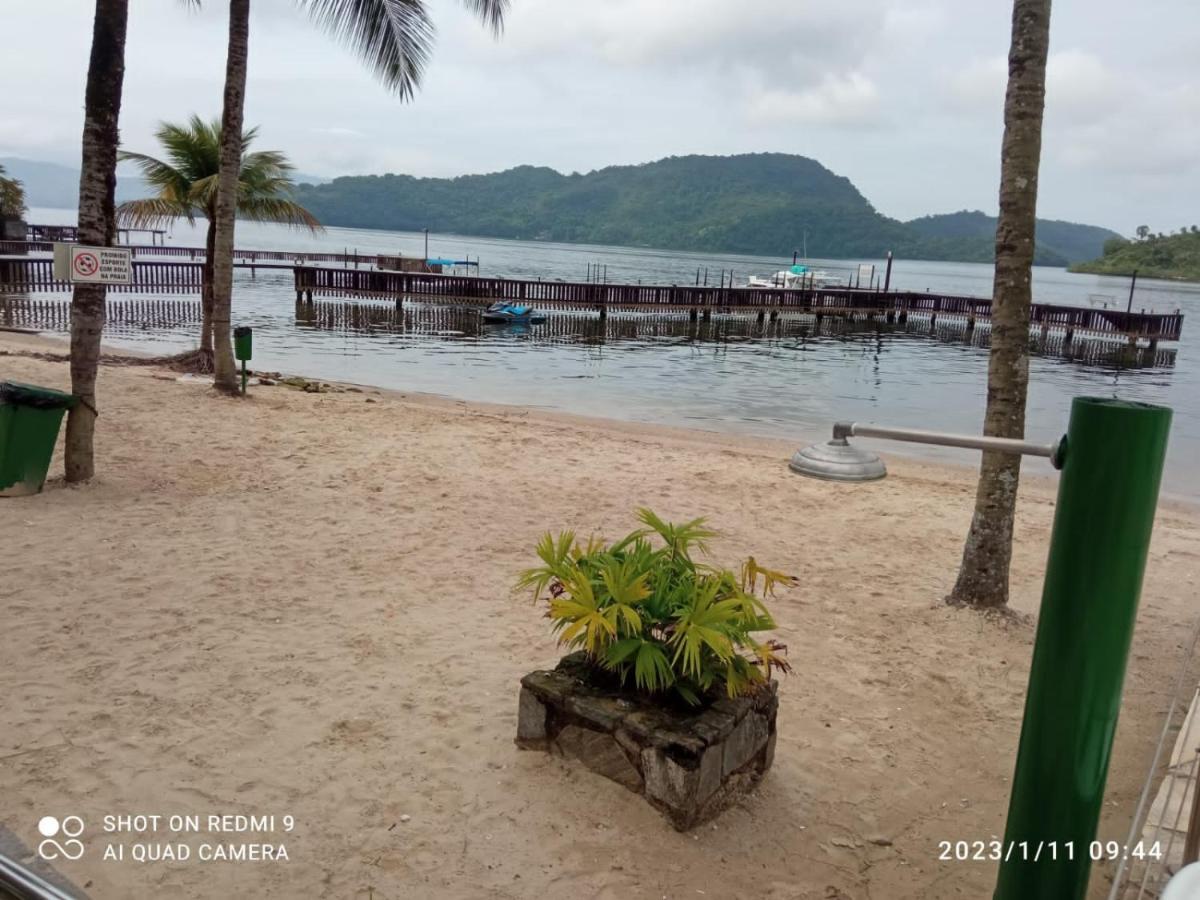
{"x":702,"y":301}
{"x":356,"y":259}
{"x":26,"y":274}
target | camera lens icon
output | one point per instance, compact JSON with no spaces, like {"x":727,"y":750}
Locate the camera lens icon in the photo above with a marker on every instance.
{"x":70,"y":828}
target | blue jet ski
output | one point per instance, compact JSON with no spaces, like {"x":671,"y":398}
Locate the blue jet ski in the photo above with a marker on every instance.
{"x":505,"y":313}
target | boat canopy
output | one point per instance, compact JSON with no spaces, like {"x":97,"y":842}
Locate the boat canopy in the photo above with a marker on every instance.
{"x":451,"y":262}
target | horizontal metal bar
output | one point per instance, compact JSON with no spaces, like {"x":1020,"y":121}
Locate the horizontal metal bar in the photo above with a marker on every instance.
{"x":27,"y":884}
{"x":843,"y":430}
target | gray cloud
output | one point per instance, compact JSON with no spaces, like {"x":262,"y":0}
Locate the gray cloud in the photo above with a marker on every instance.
{"x":902,"y":96}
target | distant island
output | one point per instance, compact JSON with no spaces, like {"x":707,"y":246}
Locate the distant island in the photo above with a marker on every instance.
{"x":760,"y":203}
{"x":1173,"y":256}
{"x":771,"y":204}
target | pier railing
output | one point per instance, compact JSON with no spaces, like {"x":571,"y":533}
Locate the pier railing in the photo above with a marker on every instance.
{"x":1113,"y":323}
{"x":21,"y":248}
{"x":28,"y":274}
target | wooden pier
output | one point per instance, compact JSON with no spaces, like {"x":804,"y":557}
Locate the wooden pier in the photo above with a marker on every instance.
{"x":25,"y":274}
{"x":368,"y":318}
{"x":71,"y":233}
{"x":19,"y":275}
{"x":702,"y":301}
{"x":23,"y":248}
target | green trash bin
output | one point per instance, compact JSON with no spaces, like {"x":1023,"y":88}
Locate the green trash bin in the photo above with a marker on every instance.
{"x":29,"y":420}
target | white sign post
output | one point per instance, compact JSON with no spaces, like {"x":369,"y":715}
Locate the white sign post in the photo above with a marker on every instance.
{"x":93,"y":265}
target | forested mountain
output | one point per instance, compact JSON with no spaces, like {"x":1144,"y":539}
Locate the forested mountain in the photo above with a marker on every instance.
{"x":969,"y":234}
{"x":1174,"y":256}
{"x":753,"y":203}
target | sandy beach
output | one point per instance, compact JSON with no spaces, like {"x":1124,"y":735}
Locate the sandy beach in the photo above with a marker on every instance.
{"x":299,"y":604}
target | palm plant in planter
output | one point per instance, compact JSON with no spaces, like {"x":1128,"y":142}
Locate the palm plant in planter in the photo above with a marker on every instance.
{"x":653,"y":614}
{"x":648,"y":624}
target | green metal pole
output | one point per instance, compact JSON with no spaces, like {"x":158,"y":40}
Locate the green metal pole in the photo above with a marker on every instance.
{"x":1106,"y":500}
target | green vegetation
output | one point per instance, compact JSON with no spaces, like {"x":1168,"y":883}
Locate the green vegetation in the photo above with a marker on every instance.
{"x":1174,"y":256}
{"x":970,"y":236}
{"x":754,"y":203}
{"x":654,"y":615}
{"x":12,"y":197}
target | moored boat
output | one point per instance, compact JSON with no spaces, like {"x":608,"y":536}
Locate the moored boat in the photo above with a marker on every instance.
{"x":506,"y":313}
{"x":797,"y":277}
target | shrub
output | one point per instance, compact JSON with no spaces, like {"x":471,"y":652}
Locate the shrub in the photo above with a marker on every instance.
{"x":644,"y":608}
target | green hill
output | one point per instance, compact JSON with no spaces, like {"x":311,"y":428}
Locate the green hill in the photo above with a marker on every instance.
{"x":1175,"y":256}
{"x":754,"y":203}
{"x":970,"y":235}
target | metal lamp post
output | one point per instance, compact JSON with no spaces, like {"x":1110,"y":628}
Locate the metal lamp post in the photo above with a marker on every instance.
{"x":1111,"y":461}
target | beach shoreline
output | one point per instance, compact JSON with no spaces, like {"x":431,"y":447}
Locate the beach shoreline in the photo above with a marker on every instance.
{"x":300,"y":603}
{"x":1034,"y":472}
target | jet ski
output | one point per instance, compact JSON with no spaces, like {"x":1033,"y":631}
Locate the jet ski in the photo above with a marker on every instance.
{"x":505,"y":313}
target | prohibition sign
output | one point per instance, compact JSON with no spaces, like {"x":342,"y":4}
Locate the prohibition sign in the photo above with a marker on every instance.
{"x":85,"y":264}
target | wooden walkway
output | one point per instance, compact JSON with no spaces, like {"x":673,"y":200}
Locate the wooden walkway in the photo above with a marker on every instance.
{"x":19,"y":275}
{"x":891,"y":305}
{"x":21,"y":248}
{"x":22,"y":275}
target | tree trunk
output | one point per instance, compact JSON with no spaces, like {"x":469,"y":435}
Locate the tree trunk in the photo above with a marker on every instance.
{"x":225,"y":378}
{"x":97,"y":223}
{"x":983,"y":577}
{"x":206,"y":290}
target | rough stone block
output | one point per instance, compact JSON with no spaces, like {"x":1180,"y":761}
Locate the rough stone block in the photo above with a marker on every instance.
{"x":688,"y":763}
{"x":744,"y":743}
{"x":601,"y":753}
{"x":531,"y":720}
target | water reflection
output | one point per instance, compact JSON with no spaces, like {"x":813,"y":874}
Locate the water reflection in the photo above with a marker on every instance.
{"x":463,"y":323}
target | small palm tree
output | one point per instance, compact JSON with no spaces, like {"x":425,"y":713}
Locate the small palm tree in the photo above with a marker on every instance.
{"x":393,"y":37}
{"x":187,"y":189}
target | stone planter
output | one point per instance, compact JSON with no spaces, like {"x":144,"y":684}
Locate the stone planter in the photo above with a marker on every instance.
{"x":689,"y":764}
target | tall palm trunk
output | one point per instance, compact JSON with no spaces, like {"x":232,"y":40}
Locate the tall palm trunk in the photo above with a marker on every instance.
{"x":97,"y":222}
{"x":983,"y":577}
{"x":225,"y":378}
{"x":206,"y":289}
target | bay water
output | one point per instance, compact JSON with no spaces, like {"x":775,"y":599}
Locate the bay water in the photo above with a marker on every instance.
{"x":782,"y":380}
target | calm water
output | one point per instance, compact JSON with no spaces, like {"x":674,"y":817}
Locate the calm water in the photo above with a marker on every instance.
{"x":733,"y":375}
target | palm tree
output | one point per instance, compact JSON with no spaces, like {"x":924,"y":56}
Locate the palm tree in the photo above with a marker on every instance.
{"x":186,"y":184}
{"x":97,"y":222}
{"x":983,"y":576}
{"x":394,"y":38}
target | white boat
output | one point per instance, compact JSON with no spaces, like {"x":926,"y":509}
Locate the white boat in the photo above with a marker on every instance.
{"x":796,"y":278}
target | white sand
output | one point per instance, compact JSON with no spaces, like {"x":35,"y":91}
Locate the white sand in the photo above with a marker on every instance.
{"x":299,"y":604}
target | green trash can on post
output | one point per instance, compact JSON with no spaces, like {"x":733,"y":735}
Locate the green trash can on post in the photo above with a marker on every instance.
{"x":30,"y":417}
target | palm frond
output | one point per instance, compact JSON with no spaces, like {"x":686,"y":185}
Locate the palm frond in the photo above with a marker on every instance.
{"x":490,"y":12}
{"x":279,"y":210}
{"x":152,"y":212}
{"x":393,"y":37}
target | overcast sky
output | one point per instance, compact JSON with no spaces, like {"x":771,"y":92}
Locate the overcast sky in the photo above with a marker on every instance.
{"x":904,"y":97}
